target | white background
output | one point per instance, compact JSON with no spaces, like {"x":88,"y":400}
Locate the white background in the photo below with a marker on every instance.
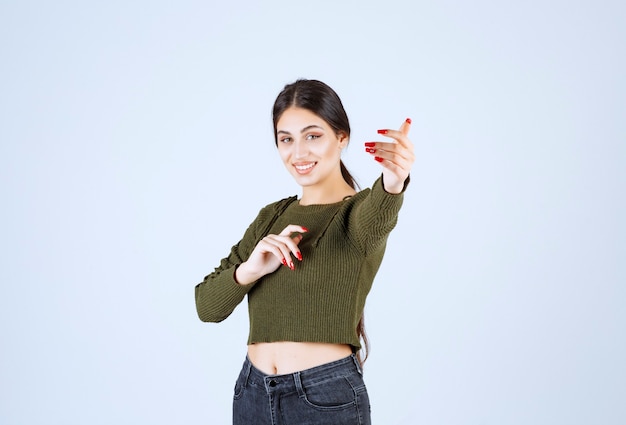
{"x":136,"y":146}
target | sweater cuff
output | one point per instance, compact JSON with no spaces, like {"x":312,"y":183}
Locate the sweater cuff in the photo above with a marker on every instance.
{"x":231,"y":291}
{"x":238,"y":288}
{"x":387,"y":201}
{"x":216,"y":299}
{"x":379,"y":181}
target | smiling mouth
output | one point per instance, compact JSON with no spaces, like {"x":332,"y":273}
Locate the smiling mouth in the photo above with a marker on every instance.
{"x":305,"y":168}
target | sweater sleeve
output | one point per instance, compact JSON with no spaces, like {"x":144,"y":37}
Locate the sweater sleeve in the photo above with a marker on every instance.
{"x":374,"y":218}
{"x":218,"y":294}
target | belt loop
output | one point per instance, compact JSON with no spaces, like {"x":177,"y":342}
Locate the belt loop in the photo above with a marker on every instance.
{"x":357,"y":364}
{"x":248,"y":371}
{"x":298,"y":382}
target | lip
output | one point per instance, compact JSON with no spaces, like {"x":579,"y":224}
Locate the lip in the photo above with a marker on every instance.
{"x":304,"y":167}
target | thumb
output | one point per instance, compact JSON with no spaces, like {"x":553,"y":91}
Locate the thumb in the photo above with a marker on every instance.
{"x":406,"y":126}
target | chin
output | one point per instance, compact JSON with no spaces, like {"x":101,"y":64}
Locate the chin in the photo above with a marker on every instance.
{"x":304,"y":180}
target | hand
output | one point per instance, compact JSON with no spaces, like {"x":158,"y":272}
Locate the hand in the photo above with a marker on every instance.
{"x":270,"y":253}
{"x":396,"y":157}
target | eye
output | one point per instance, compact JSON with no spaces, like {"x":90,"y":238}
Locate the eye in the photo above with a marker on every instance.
{"x":286,"y":140}
{"x":313,"y":136}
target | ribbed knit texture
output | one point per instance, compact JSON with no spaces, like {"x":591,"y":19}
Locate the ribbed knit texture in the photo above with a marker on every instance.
{"x":323,"y":299}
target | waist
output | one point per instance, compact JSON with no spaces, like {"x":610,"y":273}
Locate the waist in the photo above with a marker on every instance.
{"x":346,"y":367}
{"x":288,"y":357}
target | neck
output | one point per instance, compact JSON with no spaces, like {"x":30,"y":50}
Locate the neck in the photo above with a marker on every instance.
{"x":327,"y":193}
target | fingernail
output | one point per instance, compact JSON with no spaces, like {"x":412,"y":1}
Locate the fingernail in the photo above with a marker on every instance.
{"x":291,"y":266}
{"x":379,"y":159}
{"x":285,"y":262}
{"x":408,"y":120}
{"x":299,"y":255}
{"x":382,"y":131}
{"x":304,"y":229}
{"x":370,"y":144}
{"x":370,"y":150}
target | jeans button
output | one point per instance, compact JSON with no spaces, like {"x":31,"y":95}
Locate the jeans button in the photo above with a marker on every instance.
{"x":273,"y":383}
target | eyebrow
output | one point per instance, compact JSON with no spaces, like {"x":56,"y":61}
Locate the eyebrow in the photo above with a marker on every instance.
{"x":305,"y":129}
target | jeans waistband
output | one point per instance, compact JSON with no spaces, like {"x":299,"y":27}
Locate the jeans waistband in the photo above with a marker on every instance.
{"x":294,"y":381}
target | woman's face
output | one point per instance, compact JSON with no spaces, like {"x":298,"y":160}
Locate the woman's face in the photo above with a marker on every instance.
{"x":309,"y":147}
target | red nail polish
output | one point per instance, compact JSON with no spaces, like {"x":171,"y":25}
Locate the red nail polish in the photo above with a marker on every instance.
{"x":408,"y":120}
{"x":291,"y":266}
{"x":379,"y":159}
{"x":370,"y":150}
{"x":284,"y":262}
{"x":299,"y":255}
{"x":370,"y":144}
{"x":304,"y":229}
{"x":382,"y":131}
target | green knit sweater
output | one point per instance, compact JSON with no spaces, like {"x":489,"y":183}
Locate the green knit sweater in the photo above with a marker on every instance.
{"x":323,"y":299}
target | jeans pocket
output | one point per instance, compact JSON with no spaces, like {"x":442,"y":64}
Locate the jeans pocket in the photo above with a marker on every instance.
{"x":335,"y":394}
{"x":240,"y":385}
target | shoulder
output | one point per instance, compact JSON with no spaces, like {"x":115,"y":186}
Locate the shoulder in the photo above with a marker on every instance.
{"x":269,"y":212}
{"x":278,"y":206}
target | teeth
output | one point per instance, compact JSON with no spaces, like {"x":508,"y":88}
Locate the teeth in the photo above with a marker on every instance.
{"x":304,"y":167}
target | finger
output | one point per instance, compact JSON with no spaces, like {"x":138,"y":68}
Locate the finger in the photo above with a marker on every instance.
{"x":295,"y":233}
{"x":394,"y":167}
{"x":393,"y":162}
{"x":291,"y":236}
{"x":389,"y":151}
{"x":293,"y":228}
{"x":398,"y":135}
{"x":297,"y":239}
{"x":373,"y":147}
{"x":406,"y":126}
{"x":393,"y":153}
{"x":268,"y":245}
{"x":282,"y":247}
{"x":396,"y":164}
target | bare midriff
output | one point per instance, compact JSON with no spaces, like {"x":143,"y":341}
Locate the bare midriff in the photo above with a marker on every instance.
{"x":279,"y":358}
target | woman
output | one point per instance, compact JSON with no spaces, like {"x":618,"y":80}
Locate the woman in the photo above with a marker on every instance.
{"x":307,"y":266}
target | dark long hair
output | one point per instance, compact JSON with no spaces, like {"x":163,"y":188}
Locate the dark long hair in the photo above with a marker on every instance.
{"x":322,"y":100}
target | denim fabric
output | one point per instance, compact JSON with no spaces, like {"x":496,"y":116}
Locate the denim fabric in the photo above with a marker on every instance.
{"x":333,"y":394}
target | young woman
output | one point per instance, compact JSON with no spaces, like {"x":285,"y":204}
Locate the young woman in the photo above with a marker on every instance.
{"x":307,"y":265}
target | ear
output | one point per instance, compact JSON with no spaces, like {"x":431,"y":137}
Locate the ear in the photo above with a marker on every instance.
{"x":343,"y":139}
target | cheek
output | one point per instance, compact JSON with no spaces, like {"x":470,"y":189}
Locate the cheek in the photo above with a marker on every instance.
{"x":329,"y":152}
{"x":284,"y":154}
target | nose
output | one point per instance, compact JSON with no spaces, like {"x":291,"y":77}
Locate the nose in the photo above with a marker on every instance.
{"x":300,"y":149}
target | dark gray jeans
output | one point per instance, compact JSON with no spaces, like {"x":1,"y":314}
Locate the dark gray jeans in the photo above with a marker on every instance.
{"x":333,"y":393}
